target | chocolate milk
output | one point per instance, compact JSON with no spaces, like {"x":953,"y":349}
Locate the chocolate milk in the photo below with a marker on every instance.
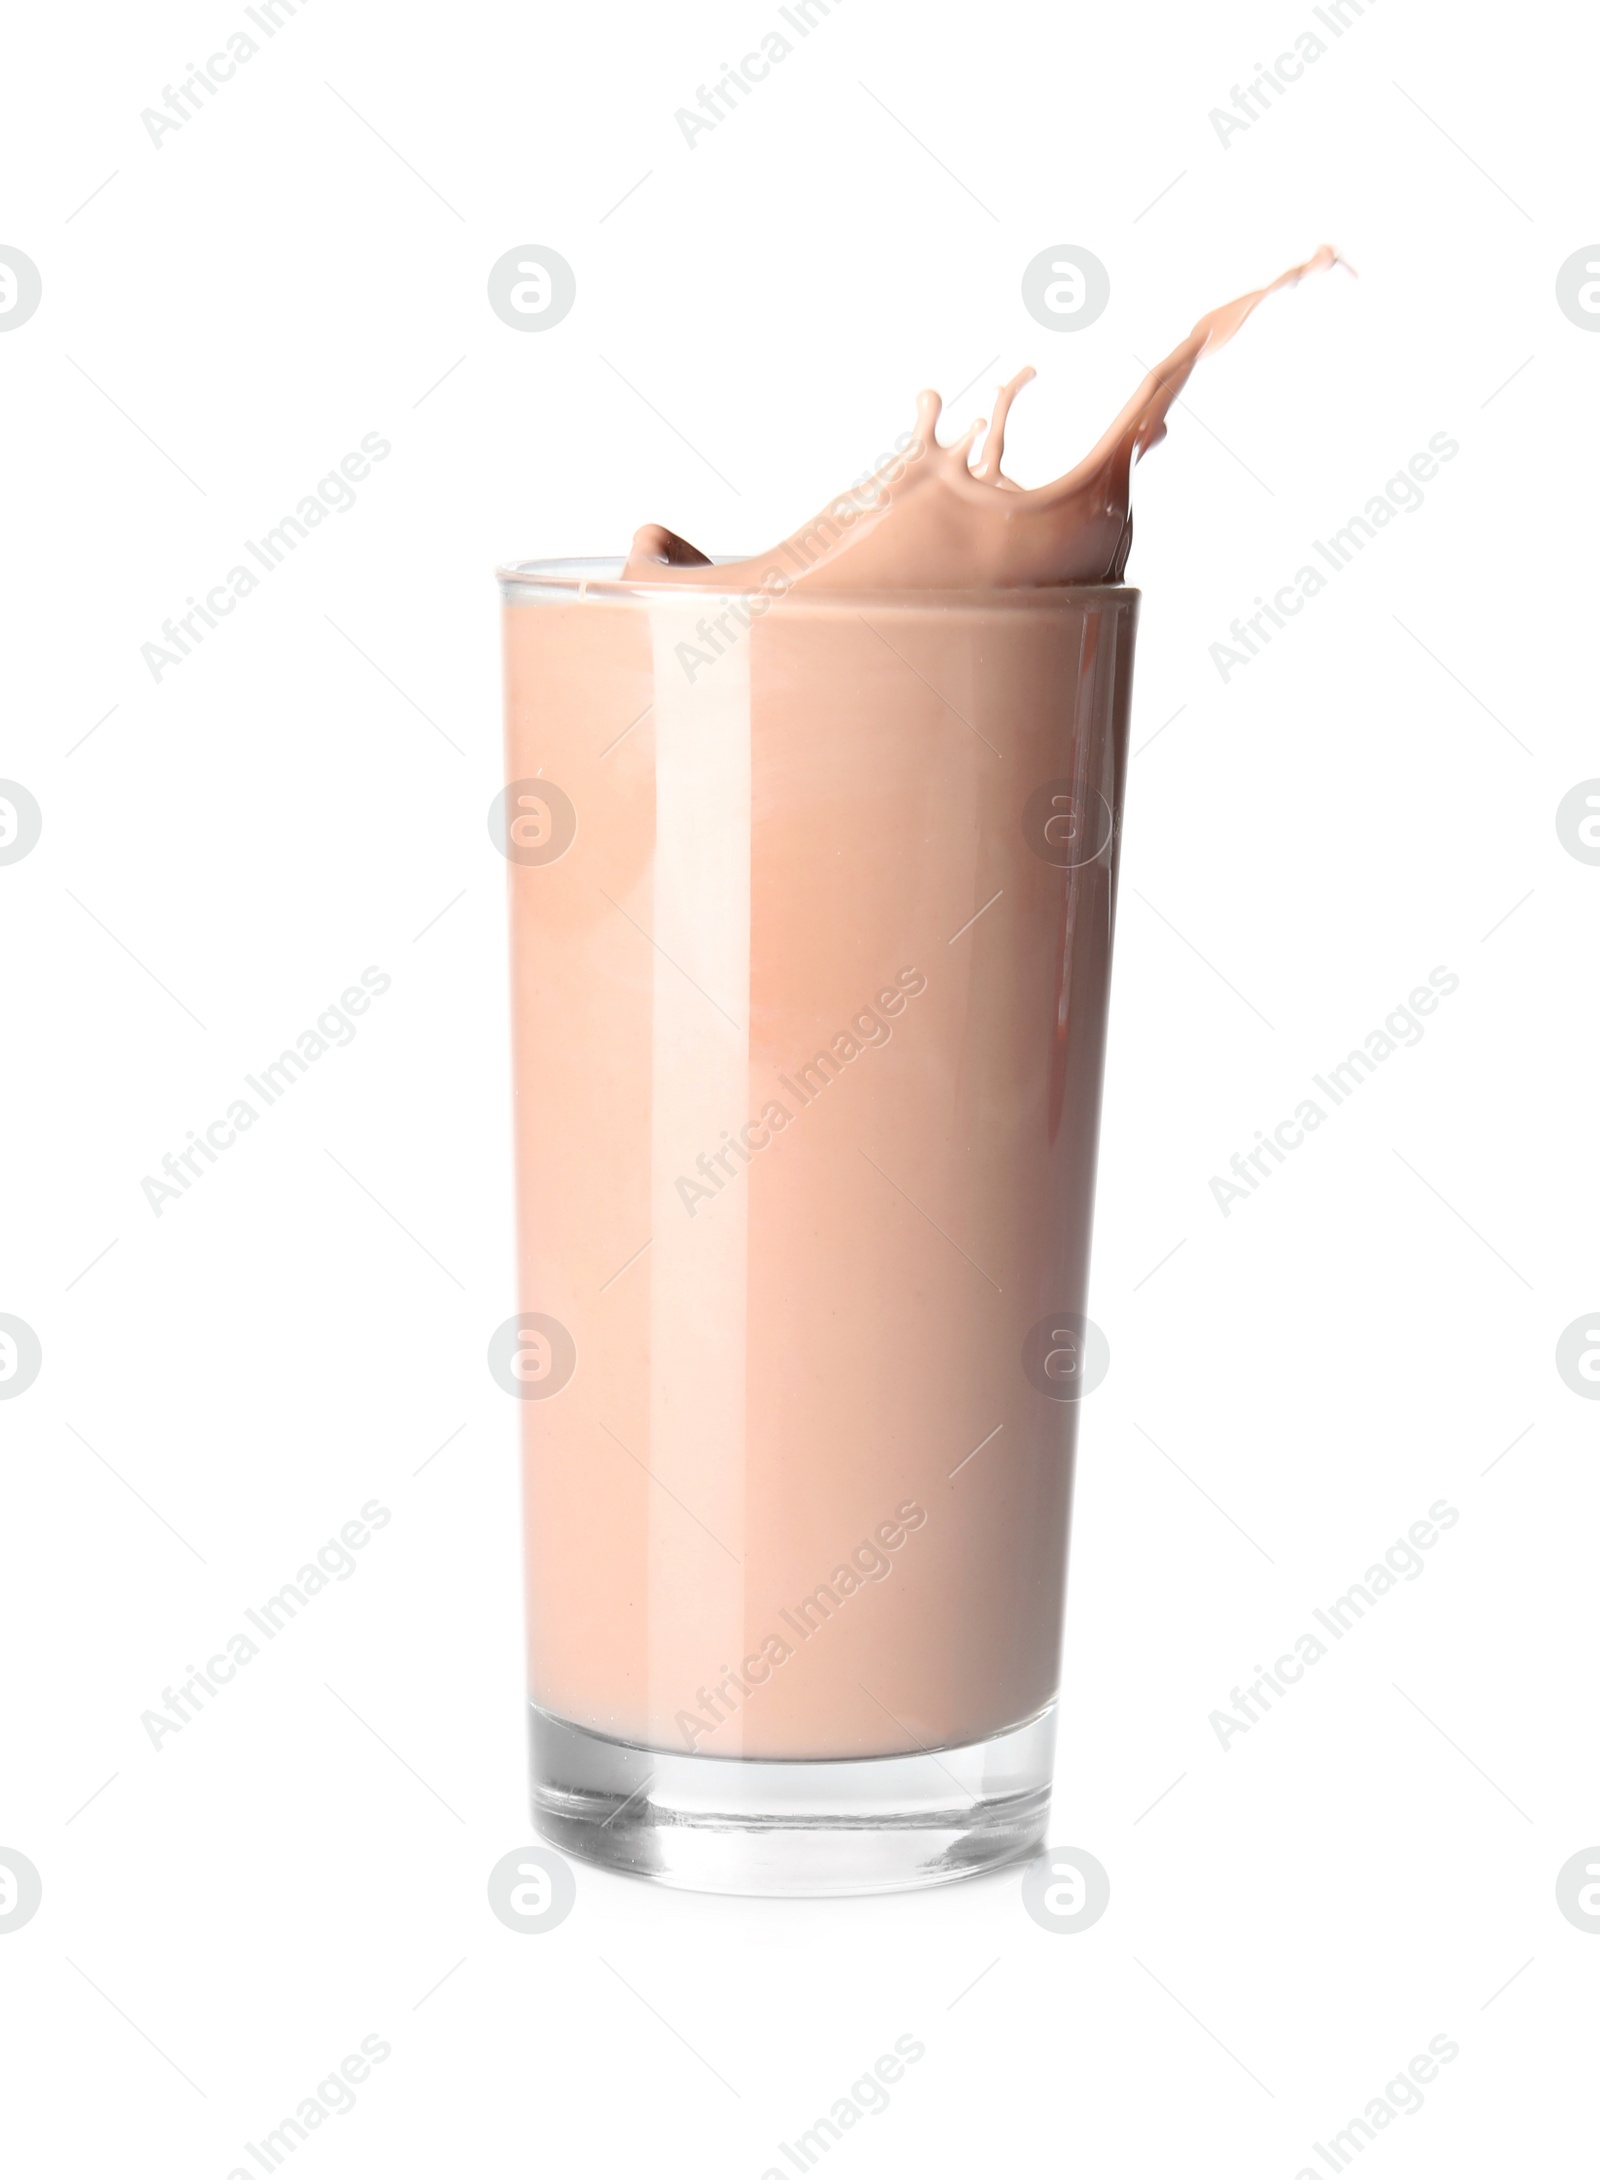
{"x":813,"y":875}
{"x":940,"y":521}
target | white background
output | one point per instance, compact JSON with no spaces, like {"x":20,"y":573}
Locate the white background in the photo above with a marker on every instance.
{"x":223,"y":852}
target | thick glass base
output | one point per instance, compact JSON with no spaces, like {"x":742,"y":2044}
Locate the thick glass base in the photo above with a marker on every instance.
{"x":796,"y":1827}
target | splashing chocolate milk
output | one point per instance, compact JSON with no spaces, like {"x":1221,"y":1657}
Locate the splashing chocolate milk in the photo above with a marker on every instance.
{"x":941,"y":523}
{"x":813,"y":874}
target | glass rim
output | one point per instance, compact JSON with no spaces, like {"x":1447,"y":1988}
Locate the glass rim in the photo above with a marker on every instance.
{"x":528,"y":582}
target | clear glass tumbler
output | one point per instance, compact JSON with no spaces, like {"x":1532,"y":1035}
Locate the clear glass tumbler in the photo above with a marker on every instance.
{"x":811,"y":910}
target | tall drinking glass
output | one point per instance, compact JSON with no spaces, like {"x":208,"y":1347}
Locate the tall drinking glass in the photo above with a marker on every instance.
{"x":811,"y":918}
